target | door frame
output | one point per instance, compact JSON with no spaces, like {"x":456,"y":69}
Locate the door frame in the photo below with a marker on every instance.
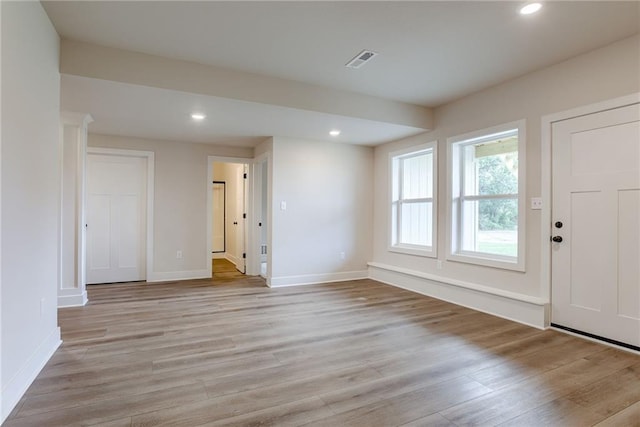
{"x":248,"y":207}
{"x":214,"y":254}
{"x":547,"y":182}
{"x":256,"y":231}
{"x":150,"y":157}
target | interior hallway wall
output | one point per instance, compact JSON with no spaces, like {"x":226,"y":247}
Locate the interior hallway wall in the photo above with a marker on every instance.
{"x":30,"y":197}
{"x":180,"y":202}
{"x":324,"y":233}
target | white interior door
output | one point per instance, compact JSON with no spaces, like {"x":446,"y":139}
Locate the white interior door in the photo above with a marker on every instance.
{"x":116,"y":218}
{"x":596,"y":213}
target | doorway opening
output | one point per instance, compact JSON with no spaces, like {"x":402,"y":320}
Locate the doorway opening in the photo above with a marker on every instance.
{"x":238,"y":215}
{"x":228,"y":216}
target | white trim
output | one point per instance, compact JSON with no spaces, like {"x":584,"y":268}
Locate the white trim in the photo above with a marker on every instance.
{"x":81,"y":120}
{"x":76,"y":295}
{"x":256,"y":232}
{"x":17,"y":386}
{"x":424,"y":251}
{"x":546,"y":182}
{"x":525,"y":309}
{"x":312,"y":279}
{"x":478,"y":258}
{"x":166,"y":276}
{"x":72,"y":298}
{"x":150,"y":156}
{"x":232,"y":259}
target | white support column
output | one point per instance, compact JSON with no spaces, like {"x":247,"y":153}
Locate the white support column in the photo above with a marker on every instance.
{"x":72,"y":280}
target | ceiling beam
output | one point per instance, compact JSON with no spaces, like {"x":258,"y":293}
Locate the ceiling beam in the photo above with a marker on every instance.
{"x":90,"y":60}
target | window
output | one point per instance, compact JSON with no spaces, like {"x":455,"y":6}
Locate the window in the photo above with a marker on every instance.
{"x":413,"y":205}
{"x":487,"y":197}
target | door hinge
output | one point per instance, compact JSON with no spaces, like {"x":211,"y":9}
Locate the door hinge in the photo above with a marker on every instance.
{"x":244,"y":256}
{"x":245,"y":175}
{"x":244,"y":216}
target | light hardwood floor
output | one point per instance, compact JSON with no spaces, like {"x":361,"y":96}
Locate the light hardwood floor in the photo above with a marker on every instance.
{"x":233,"y":352}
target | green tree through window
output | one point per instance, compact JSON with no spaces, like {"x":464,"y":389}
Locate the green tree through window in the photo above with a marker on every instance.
{"x":498,"y":175}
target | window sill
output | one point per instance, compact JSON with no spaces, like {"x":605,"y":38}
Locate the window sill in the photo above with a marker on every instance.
{"x":486,"y":260}
{"x":428,"y":252}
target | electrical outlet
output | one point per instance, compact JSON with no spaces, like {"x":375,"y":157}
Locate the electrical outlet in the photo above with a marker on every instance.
{"x":536,"y":203}
{"x":439,"y":265}
{"x":342,"y":255}
{"x":41,"y":307}
{"x":179,"y":254}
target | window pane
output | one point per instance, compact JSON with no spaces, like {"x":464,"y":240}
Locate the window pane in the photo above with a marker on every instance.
{"x":417,"y":176}
{"x":490,"y":226}
{"x":394,"y":221}
{"x":395,"y":186}
{"x":491,"y":169}
{"x":416,"y":224}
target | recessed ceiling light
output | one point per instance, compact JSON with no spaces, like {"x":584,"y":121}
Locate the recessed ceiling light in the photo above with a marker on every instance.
{"x":198,"y":116}
{"x":530,"y":8}
{"x":334,"y":132}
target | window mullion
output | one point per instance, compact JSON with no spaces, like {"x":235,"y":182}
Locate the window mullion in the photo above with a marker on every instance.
{"x":488,"y":197}
{"x":422,"y":200}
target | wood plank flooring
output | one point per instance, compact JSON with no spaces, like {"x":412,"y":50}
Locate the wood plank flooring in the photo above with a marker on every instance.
{"x":232,"y":352}
{"x":225,"y":269}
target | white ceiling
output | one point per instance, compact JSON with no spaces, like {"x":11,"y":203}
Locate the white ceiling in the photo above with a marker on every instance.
{"x":429,"y":53}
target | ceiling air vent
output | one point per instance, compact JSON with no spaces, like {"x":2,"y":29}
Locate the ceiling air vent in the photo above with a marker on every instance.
{"x":360,"y":59}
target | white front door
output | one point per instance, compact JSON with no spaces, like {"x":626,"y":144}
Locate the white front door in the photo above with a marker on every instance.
{"x":116,"y":218}
{"x":596,"y":215}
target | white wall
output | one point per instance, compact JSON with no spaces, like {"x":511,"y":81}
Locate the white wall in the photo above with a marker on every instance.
{"x":602,"y":74}
{"x":30,"y":196}
{"x":180,"y":202}
{"x":328,"y":192}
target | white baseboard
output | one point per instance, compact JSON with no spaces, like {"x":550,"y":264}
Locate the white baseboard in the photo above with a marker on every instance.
{"x":167,"y":276}
{"x":72,"y":298}
{"x":232,"y":259}
{"x":310,"y":279}
{"x":519,"y":308}
{"x":218,"y":255}
{"x":18,"y":385}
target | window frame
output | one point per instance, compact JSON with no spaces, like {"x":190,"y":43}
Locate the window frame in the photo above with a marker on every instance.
{"x":455,"y":198}
{"x":406,"y":248}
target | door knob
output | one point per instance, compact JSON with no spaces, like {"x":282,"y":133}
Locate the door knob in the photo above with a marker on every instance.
{"x":557,"y":239}
{"x":559,"y":224}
